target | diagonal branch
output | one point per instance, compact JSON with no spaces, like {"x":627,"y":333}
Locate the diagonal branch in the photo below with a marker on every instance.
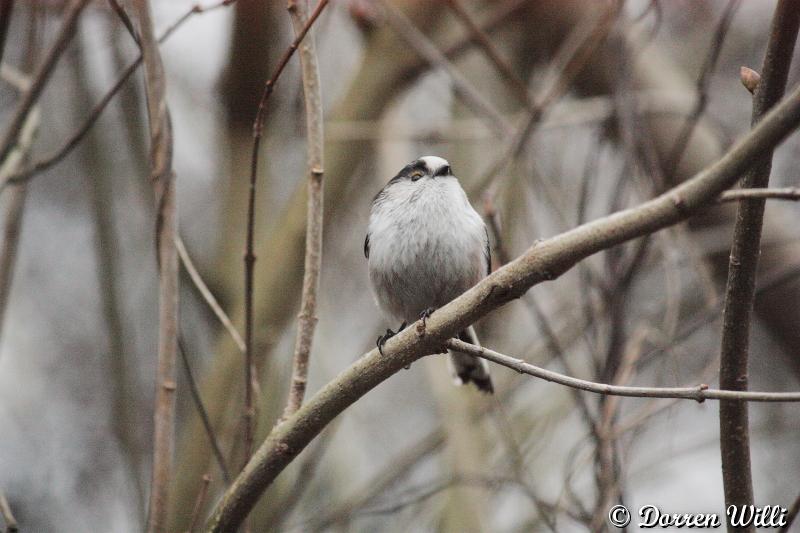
{"x":742,"y":266}
{"x":40,"y":77}
{"x":544,"y":261}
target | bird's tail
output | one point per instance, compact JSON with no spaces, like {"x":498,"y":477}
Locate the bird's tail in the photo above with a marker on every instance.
{"x":466,"y":368}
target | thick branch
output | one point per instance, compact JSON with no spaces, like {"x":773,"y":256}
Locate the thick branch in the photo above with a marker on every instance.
{"x":307,"y":319}
{"x":544,"y":261}
{"x":742,"y":266}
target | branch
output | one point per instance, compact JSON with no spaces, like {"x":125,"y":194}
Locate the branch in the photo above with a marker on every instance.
{"x":699,"y":393}
{"x":161,"y":142}
{"x":16,"y":202}
{"x":59,"y":154}
{"x":8,"y":516}
{"x":40,"y":77}
{"x":785,"y":193}
{"x":249,"y":256}
{"x":544,"y":261}
{"x":205,"y":292}
{"x":742,"y":266}
{"x":307,"y":319}
{"x":426,"y":49}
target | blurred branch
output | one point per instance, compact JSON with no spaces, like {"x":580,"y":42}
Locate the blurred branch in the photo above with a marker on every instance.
{"x":793,"y":511}
{"x":206,"y":293}
{"x":249,"y":256}
{"x":8,"y":516}
{"x":544,"y":261}
{"x":201,"y":410}
{"x":492,"y":53}
{"x":743,"y":264}
{"x":425,"y":48}
{"x":161,"y":145}
{"x":699,"y":393}
{"x":59,"y":154}
{"x":785,"y":193}
{"x":568,"y":62}
{"x":16,"y":202}
{"x":41,"y":76}
{"x":703,"y":82}
{"x":198,"y":504}
{"x":6,"y":9}
{"x":307,"y":319}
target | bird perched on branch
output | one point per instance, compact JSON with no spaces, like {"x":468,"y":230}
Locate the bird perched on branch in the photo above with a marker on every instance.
{"x":426,"y":245}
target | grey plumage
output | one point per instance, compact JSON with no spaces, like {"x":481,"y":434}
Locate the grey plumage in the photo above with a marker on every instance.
{"x":426,"y":245}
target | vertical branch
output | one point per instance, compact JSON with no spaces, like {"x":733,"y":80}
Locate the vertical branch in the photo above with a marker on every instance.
{"x":307,"y":319}
{"x":164,"y":187}
{"x":249,"y":256}
{"x":740,"y":289}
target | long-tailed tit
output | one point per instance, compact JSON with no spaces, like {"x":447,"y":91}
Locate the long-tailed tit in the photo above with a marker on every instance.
{"x":426,"y":245}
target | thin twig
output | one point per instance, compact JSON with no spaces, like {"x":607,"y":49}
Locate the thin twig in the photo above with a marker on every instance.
{"x":248,"y":415}
{"x":197,"y":399}
{"x":59,"y":154}
{"x":6,"y":9}
{"x":41,"y":76}
{"x":8,"y":516}
{"x":698,"y":393}
{"x":208,"y":296}
{"x":569,"y":61}
{"x":425,"y":48}
{"x":544,"y":261}
{"x":16,"y":202}
{"x":785,"y":193}
{"x":161,"y":145}
{"x":491,"y":51}
{"x":307,"y":319}
{"x":682,"y":140}
{"x":199,"y":502}
{"x":743,"y":264}
{"x":791,"y":515}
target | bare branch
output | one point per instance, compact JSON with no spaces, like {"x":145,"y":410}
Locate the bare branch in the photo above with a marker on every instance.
{"x":16,"y":203}
{"x":8,"y":516}
{"x":249,"y":256}
{"x":698,"y":393}
{"x":166,"y":226}
{"x":544,"y":261}
{"x":785,"y":193}
{"x":198,"y":504}
{"x":422,"y":45}
{"x":59,"y":154}
{"x":41,"y":76}
{"x":307,"y":319}
{"x":206,"y":293}
{"x":742,"y":266}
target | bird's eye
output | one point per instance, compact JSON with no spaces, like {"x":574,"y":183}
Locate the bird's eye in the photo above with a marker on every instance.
{"x":417,"y":174}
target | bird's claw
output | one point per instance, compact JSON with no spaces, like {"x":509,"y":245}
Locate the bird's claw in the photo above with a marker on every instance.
{"x":424,"y":318}
{"x":388,"y":335}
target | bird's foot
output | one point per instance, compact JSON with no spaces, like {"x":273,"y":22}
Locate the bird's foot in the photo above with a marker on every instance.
{"x":423,"y":316}
{"x":388,"y":335}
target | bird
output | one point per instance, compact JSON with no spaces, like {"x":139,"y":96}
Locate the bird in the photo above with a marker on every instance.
{"x":425,"y":246}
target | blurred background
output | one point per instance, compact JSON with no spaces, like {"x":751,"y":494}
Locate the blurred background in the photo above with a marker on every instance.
{"x":633,"y":102}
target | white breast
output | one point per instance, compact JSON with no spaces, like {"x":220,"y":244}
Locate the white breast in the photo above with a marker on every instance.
{"x":427,"y":246}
